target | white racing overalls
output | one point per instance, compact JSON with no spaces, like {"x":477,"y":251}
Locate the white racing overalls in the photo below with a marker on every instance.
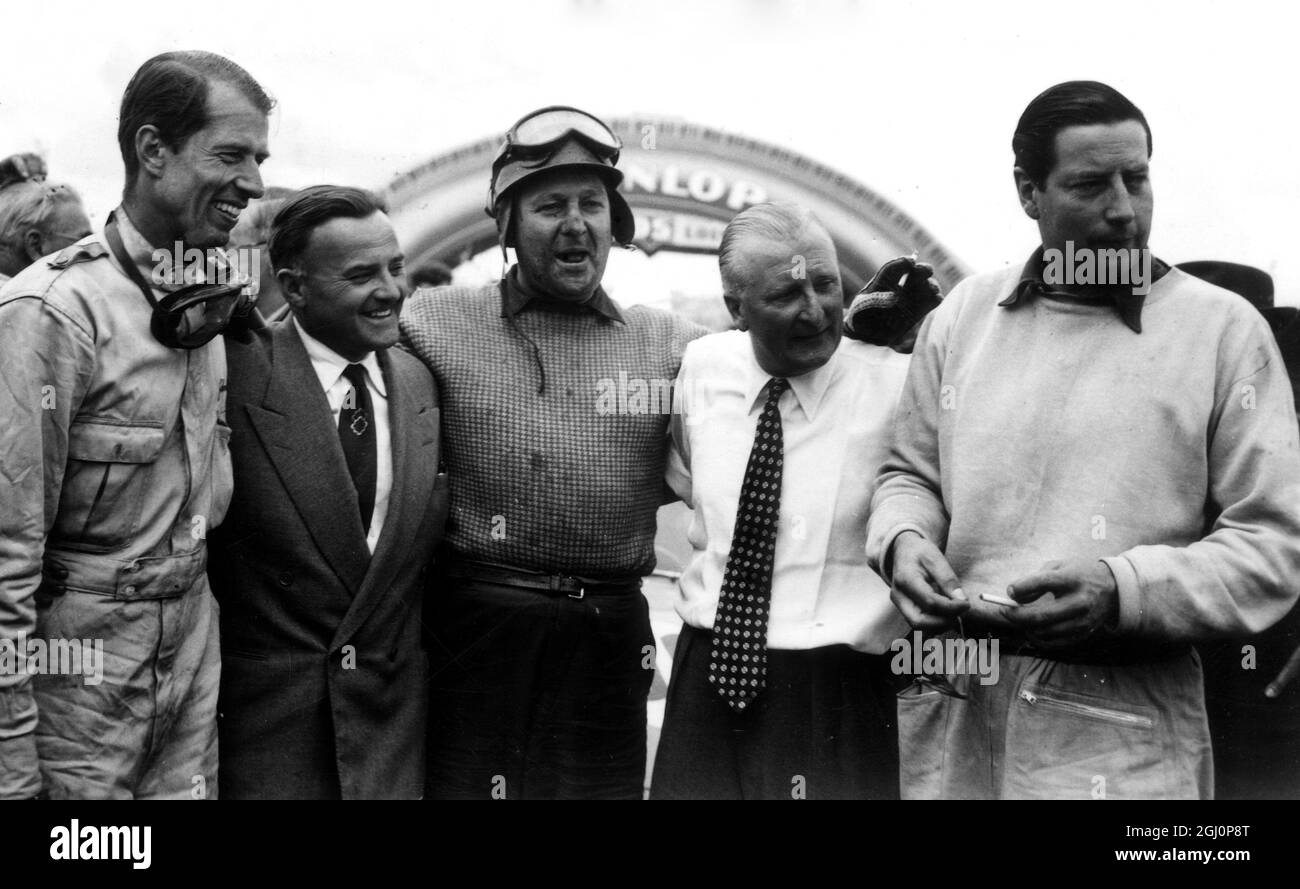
{"x":114,"y":464}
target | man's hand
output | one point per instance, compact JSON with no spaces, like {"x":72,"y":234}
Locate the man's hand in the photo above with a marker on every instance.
{"x":891,"y":307}
{"x":924,"y":587}
{"x":17,"y":167}
{"x":1084,"y":599}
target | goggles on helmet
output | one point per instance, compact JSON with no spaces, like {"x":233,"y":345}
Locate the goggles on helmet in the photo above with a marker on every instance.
{"x":543,"y":129}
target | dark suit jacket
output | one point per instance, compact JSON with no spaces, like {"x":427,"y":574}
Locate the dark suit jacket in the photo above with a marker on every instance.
{"x":323,"y":674}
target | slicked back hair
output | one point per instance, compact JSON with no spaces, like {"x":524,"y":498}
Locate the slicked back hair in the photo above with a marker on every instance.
{"x":309,"y":209}
{"x":771,"y":221}
{"x":1069,"y":104}
{"x":170,"y":91}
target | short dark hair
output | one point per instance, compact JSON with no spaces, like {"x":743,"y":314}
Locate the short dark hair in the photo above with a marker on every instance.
{"x":170,"y":91}
{"x":302,"y":214}
{"x":1069,"y":104}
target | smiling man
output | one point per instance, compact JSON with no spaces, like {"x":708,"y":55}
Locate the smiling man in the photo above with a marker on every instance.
{"x":114,"y":455}
{"x":1094,"y":475}
{"x":320,"y":566}
{"x":539,"y":636}
{"x":780,"y":688}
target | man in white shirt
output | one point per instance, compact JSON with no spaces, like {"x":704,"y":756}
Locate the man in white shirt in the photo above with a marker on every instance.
{"x":779,"y":687}
{"x":338,"y":504}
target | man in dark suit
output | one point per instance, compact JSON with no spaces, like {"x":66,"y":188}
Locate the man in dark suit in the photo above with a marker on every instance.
{"x":338,"y":504}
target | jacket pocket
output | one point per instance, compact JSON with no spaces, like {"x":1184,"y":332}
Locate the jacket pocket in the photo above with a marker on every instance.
{"x":1064,"y":744}
{"x":105,"y":483}
{"x":922,"y":738}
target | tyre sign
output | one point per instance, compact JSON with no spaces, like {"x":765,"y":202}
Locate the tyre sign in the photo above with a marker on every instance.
{"x":684,"y":182}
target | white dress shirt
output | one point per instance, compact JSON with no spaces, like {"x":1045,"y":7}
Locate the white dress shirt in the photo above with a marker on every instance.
{"x":329,"y":366}
{"x":835,"y":428}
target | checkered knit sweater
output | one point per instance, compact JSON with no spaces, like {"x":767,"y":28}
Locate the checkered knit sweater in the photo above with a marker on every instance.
{"x":566,"y":479}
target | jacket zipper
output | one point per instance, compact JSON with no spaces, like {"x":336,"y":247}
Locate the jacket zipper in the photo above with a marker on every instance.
{"x":1088,"y":710}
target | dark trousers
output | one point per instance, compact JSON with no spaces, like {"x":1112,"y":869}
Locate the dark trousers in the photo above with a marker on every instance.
{"x":823,"y":728}
{"x":1256,"y":739}
{"x":536,"y":696}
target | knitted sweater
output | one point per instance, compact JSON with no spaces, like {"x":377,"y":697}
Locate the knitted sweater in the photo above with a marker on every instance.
{"x":568,"y":479}
{"x":1050,"y":430}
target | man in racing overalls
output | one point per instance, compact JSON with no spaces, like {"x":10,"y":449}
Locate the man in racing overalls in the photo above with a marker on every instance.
{"x":114,"y":459}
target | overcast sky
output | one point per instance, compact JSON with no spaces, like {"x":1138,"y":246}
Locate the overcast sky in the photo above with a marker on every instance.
{"x":915,"y":99}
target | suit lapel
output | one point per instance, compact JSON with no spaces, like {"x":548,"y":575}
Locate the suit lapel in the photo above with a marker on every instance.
{"x":294,"y":425}
{"x":413,"y":429}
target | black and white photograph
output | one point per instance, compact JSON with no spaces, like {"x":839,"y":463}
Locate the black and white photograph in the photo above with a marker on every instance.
{"x":872,"y":400}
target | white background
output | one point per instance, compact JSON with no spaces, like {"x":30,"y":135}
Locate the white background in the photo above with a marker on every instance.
{"x":916,"y":99}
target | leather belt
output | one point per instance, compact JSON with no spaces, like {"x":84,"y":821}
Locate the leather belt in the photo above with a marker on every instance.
{"x":571,"y":585}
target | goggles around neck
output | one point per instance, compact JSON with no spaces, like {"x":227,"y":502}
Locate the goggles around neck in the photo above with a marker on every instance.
{"x":544,"y":129}
{"x":191,"y":316}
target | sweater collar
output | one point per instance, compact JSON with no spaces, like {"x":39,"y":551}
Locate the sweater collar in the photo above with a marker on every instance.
{"x":517,"y":297}
{"x":1128,"y":305}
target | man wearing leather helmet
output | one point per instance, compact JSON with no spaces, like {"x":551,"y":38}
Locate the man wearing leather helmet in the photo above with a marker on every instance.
{"x":540,"y":640}
{"x":115,"y":460}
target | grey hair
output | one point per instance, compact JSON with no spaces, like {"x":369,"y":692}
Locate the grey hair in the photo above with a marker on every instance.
{"x":28,"y":205}
{"x":776,"y":222}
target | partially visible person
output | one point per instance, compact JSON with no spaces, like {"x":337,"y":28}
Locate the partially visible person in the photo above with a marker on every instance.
{"x":1252,"y":692}
{"x":891,"y":308}
{"x":22,"y":167}
{"x":248,"y":243}
{"x":37,"y":218}
{"x":780,"y":685}
{"x":114,"y":452}
{"x":320,"y":566}
{"x":430,"y":273}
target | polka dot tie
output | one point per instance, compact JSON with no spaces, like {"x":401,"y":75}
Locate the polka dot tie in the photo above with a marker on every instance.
{"x":738,"y":659}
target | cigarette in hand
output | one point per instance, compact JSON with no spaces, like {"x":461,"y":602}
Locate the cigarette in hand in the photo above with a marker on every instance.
{"x":999,"y":600}
{"x":902,"y":279}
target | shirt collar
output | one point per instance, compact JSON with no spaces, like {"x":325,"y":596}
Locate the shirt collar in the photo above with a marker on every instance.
{"x":329,"y":365}
{"x":141,"y":251}
{"x":516,"y":297}
{"x":809,"y":388}
{"x":1128,"y":305}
